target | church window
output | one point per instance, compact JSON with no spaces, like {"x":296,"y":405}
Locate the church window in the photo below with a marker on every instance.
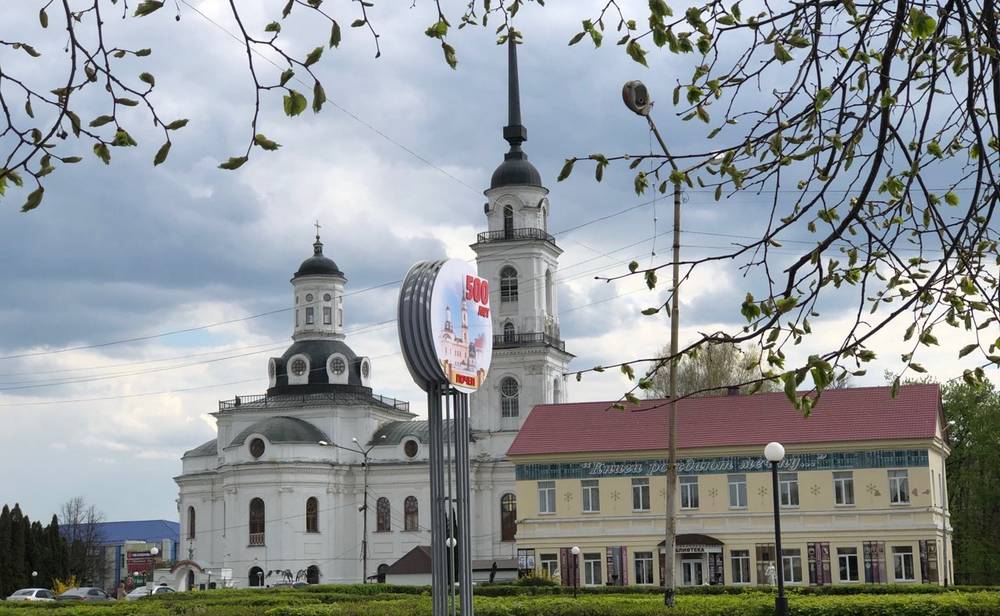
{"x":256,"y":576}
{"x":509,"y":390}
{"x":256,"y":447}
{"x":296,"y":318}
{"x":256,"y":521}
{"x":509,"y":333}
{"x":556,"y":393}
{"x":508,"y":222}
{"x":337,"y":365}
{"x":309,"y":297}
{"x":508,"y":284}
{"x":299,"y":367}
{"x":326,"y":297}
{"x":191,"y":523}
{"x":410,"y":448}
{"x":310,"y":315}
{"x":365,"y":368}
{"x":382,"y":518}
{"x":312,"y":515}
{"x":327,"y":315}
{"x":508,"y":517}
{"x":410,"y":514}
{"x":548,"y":292}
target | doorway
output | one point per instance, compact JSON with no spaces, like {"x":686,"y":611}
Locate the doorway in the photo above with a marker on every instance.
{"x":692,"y":570}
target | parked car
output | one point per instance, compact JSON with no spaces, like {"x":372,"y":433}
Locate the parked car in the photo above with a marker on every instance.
{"x":83,"y":594}
{"x":146,"y":591}
{"x":32,"y":594}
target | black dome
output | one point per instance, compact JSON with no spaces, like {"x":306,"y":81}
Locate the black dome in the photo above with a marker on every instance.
{"x":318,"y":352}
{"x":516,"y":171}
{"x":318,"y":265}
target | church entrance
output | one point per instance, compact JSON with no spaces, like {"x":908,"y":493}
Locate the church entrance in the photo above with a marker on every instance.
{"x":312,"y":575}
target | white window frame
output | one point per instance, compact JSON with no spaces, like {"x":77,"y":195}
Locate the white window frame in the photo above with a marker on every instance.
{"x":592,"y":569}
{"x":843,"y":487}
{"x":643,"y":562}
{"x":640,"y":494}
{"x":788,"y":486}
{"x":902,"y":559}
{"x":847,"y":558}
{"x":689,"y":491}
{"x":739,"y":483}
{"x":899,"y":487}
{"x":743,"y":569}
{"x":549,"y":564}
{"x":791,"y":565}
{"x":327,"y":315}
{"x":590,"y":497}
{"x":310,"y":315}
{"x":546,"y":497}
{"x":510,"y":403}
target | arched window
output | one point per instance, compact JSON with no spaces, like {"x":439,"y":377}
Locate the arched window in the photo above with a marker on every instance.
{"x":410,"y":517}
{"x":508,"y":284}
{"x":548,"y":292}
{"x":509,"y":333}
{"x":312,"y":515}
{"x":256,"y":576}
{"x":509,"y":390}
{"x":192,"y":528}
{"x":256,"y":522}
{"x":508,"y":222}
{"x":380,"y":572}
{"x":312,"y":575}
{"x":382,"y":517}
{"x":190,"y":580}
{"x":556,"y":391}
{"x":508,"y":517}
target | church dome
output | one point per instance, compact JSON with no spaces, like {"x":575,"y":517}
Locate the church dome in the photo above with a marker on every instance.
{"x":515,"y":171}
{"x":283,"y":430}
{"x":317,"y":355}
{"x":318,"y":265}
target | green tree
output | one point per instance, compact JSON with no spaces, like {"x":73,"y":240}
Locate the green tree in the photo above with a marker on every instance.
{"x":712,"y":370}
{"x":973,"y":473}
{"x":18,"y":549}
{"x":5,"y":555}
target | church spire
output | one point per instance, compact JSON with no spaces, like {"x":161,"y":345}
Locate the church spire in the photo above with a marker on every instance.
{"x":317,"y":245}
{"x":515,"y":133}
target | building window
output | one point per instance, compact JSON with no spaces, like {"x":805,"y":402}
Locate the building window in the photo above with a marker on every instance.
{"x":549,"y":309}
{"x":689,"y":492}
{"x":740,"y":560}
{"x":192,"y":528}
{"x":788,"y":488}
{"x":546,"y":497}
{"x":556,"y":391}
{"x":257,"y":447}
{"x":592,"y":569}
{"x":738,"y":491}
{"x":509,"y":333}
{"x":256,"y":577}
{"x":327,"y":315}
{"x":643,"y":567}
{"x":549,"y":564}
{"x":256,"y":521}
{"x":847,"y":560}
{"x":902,"y":560}
{"x":591,"y":495}
{"x":843,"y":488}
{"x":640,"y":494}
{"x":791,"y":562}
{"x":508,"y":284}
{"x":509,"y":390}
{"x":899,"y":487}
{"x":410,"y":517}
{"x":382,"y":512}
{"x":327,"y":297}
{"x":508,"y":222}
{"x":299,"y":366}
{"x":310,"y":315}
{"x":312,"y":515}
{"x":411,"y":449}
{"x":508,"y":517}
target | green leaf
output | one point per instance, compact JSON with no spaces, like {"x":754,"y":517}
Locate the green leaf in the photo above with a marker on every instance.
{"x":917,"y":368}
{"x":577,"y":38}
{"x":295,"y":104}
{"x":822,"y":97}
{"x":264,"y":143}
{"x":313,"y":56}
{"x":791,"y":385}
{"x":781,"y":54}
{"x":147,"y":78}
{"x":233,"y":163}
{"x":651,"y":279}
{"x":659,"y":8}
{"x":286,"y":75}
{"x":74,"y":121}
{"x":449,"y":54}
{"x":30,"y":50}
{"x":319,"y":97}
{"x":935,"y":148}
{"x":146,"y":7}
{"x":143,"y":52}
{"x":128,"y":102}
{"x":636,"y":52}
{"x":101,"y":120}
{"x":335,"y":35}
{"x":567,"y":169}
{"x":176,"y":124}
{"x":161,"y":154}
{"x":650,"y":311}
{"x":71,"y":159}
{"x":102,"y":152}
{"x":273,"y":27}
{"x":922,"y":25}
{"x":967,"y":349}
{"x":951,"y":198}
{"x":357,"y":23}
{"x":633,"y":266}
{"x":33,"y":199}
{"x":288,"y":9}
{"x":43,"y":18}
{"x":123,"y":139}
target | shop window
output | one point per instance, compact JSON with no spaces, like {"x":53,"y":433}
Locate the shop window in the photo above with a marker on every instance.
{"x":592,"y":569}
{"x":740,"y":563}
{"x":847,"y":563}
{"x":791,"y":563}
{"x":643,"y":567}
{"x":902,"y":563}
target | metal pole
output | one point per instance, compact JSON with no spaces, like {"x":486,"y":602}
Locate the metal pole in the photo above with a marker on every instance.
{"x":462,"y":479}
{"x":780,"y":602}
{"x":439,"y":573}
{"x":576,"y":573}
{"x":364,"y":524}
{"x":449,"y":430}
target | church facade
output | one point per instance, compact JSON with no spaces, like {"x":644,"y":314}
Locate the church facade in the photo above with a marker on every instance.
{"x":326,"y":480}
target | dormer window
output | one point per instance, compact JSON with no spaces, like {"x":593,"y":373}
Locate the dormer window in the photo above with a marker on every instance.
{"x":310,"y":314}
{"x":327,"y":315}
{"x":299,"y":367}
{"x":337,"y":366}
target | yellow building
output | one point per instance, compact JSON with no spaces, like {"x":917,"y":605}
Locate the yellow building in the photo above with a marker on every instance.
{"x":862,"y":490}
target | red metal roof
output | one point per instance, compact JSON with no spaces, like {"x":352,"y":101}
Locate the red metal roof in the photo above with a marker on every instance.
{"x":857,"y":414}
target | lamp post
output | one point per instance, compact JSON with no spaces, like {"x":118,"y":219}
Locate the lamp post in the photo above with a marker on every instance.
{"x":364,"y":507}
{"x":575,"y":550}
{"x":775,"y":453}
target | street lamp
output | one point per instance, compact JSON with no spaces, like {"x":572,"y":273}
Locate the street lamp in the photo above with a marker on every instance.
{"x":775,"y":453}
{"x":575,"y":550}
{"x":363,"y":508}
{"x":153,"y":551}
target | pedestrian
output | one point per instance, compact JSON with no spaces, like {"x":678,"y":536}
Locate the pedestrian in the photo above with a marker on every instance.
{"x":121,"y":591}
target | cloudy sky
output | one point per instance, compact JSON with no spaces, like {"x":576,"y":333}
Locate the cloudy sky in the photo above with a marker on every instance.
{"x":393,"y":169}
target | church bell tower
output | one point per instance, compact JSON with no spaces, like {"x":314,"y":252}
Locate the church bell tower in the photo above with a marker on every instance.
{"x":520,"y":259}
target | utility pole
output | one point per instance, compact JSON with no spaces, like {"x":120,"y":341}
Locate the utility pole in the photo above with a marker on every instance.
{"x":636,"y":98}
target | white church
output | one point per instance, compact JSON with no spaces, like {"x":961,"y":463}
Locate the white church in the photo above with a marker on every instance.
{"x":272,"y":493}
